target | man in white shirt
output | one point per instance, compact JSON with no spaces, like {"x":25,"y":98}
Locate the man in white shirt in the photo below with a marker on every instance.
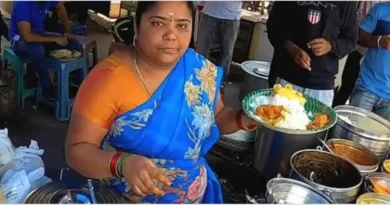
{"x":220,"y":18}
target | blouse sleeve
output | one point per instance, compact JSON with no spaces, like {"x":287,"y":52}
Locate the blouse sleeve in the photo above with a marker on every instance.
{"x":98,"y":98}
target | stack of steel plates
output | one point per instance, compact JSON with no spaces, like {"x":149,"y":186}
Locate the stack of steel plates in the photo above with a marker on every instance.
{"x":58,"y":193}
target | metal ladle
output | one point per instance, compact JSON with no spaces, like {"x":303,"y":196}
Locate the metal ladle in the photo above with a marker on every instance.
{"x":325,"y":145}
{"x":313,"y":177}
{"x":91,"y":191}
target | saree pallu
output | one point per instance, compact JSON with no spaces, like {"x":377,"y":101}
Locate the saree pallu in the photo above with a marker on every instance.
{"x":175,"y":128}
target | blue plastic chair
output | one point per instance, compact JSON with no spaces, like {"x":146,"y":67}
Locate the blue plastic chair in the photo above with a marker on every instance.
{"x":63,"y":104}
{"x":9,"y":57}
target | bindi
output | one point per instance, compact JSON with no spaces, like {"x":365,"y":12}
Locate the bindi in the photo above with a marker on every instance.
{"x":170,"y":16}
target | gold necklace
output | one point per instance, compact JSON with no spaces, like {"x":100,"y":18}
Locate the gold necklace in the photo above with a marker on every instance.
{"x":139,"y":74}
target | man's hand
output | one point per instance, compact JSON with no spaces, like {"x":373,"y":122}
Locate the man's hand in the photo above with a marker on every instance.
{"x":384,"y":42}
{"x":319,"y":46}
{"x":300,"y":56}
{"x":61,"y":40}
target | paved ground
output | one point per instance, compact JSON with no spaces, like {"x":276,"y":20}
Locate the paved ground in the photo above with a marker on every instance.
{"x":41,"y":125}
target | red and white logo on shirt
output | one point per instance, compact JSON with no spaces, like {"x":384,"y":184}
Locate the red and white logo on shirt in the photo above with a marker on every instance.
{"x":314,"y":16}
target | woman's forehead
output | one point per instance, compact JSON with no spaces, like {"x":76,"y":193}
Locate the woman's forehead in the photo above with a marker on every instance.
{"x":170,"y":8}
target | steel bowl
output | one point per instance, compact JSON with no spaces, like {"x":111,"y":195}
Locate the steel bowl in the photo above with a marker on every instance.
{"x":327,"y":172}
{"x":283,"y":190}
{"x":364,"y":159}
{"x":383,"y":169}
{"x":382,"y":178}
{"x":373,"y":198}
{"x":367,"y":172}
{"x":367,"y":129}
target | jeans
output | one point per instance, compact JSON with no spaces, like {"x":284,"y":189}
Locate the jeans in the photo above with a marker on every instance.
{"x":38,"y":52}
{"x":367,"y":100}
{"x":227,"y":30}
{"x":324,"y":96}
{"x":348,"y":80}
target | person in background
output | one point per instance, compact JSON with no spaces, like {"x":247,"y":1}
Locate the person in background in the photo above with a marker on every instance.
{"x":372,"y":89}
{"x":352,"y":65}
{"x":27,"y":36}
{"x":222,"y":19}
{"x":145,"y":117}
{"x":309,"y":38}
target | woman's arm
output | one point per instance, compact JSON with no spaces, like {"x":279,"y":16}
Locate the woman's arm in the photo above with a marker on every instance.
{"x":226,"y":118}
{"x":95,"y":108}
{"x":82,"y":150}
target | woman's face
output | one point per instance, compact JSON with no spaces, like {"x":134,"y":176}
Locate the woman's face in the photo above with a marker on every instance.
{"x":165,"y":32}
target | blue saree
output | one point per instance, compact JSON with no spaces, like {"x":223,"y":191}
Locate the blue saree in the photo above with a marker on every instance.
{"x":175,"y":128}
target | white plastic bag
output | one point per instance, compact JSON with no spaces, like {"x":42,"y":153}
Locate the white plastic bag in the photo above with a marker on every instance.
{"x":26,"y":158}
{"x":38,"y":179}
{"x":15,"y":186}
{"x":26,"y":172}
{"x":7,"y":149}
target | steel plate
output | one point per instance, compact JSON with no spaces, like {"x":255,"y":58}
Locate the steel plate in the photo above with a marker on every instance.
{"x":58,"y":193}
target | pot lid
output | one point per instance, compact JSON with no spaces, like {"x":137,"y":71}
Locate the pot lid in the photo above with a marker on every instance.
{"x":258,"y":69}
{"x":363,"y":122}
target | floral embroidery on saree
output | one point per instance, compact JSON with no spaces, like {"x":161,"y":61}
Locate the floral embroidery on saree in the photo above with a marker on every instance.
{"x":138,"y":121}
{"x":176,"y":134}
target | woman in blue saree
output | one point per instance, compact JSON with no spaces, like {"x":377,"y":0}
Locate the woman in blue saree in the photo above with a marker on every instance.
{"x":146,"y":116}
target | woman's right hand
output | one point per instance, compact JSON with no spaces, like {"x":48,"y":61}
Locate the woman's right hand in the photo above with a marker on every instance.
{"x":142,"y":174}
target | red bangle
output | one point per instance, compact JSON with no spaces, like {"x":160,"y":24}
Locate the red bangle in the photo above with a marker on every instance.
{"x":238,"y":119}
{"x":113,"y":164}
{"x":241,"y":125}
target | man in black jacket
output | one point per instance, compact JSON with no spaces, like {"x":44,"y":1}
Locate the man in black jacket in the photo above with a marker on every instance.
{"x":309,"y":38}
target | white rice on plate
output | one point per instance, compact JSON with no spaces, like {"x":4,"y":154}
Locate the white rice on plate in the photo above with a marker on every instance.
{"x":295,"y":116}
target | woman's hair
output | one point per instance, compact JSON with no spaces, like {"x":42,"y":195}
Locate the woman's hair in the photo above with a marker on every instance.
{"x":143,"y":6}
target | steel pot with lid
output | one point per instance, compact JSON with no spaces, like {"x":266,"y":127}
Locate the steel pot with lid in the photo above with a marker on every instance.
{"x":255,"y":77}
{"x":290,"y":191}
{"x":363,"y":127}
{"x":364,"y":159}
{"x":328,"y":173}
